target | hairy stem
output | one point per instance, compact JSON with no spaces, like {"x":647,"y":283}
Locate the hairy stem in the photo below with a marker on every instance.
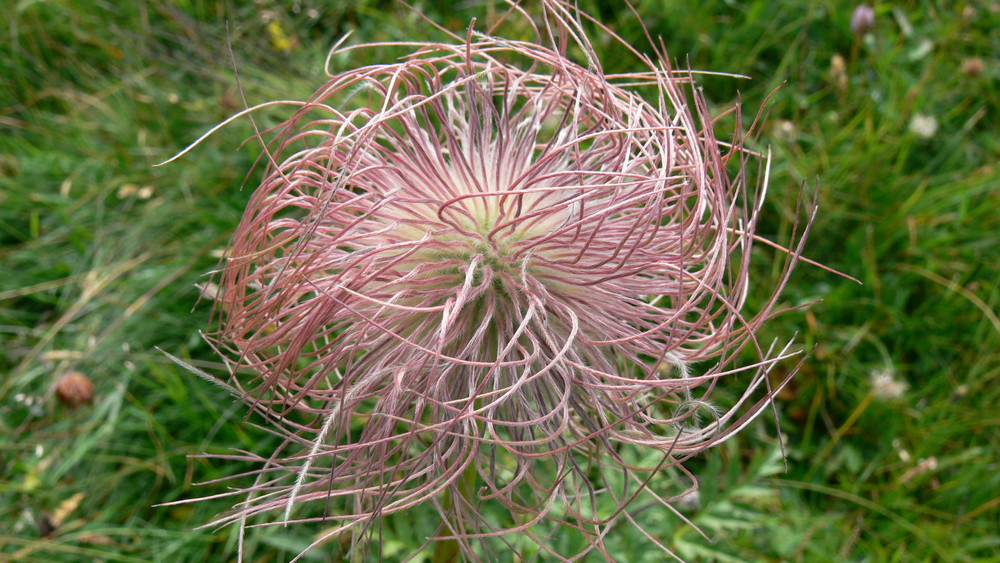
{"x":448,"y":551}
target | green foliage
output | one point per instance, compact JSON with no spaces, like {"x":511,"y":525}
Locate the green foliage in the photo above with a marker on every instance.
{"x":890,"y":428}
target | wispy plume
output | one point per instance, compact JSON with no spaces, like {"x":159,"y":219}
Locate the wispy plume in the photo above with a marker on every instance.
{"x":493,"y":278}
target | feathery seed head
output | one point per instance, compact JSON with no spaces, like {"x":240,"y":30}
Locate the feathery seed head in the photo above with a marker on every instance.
{"x":508,"y":265}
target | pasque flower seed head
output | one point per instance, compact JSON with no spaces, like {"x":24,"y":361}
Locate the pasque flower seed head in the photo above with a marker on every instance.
{"x":492,"y":277}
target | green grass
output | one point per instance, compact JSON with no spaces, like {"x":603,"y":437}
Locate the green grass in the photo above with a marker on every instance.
{"x":95,"y":273}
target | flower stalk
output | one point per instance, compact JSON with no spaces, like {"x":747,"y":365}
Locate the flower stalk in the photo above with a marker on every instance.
{"x":449,"y":550}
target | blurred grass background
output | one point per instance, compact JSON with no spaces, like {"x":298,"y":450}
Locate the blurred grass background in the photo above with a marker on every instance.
{"x":891,"y":427}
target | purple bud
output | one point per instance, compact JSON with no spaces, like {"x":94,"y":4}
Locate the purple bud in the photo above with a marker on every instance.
{"x":863,"y":19}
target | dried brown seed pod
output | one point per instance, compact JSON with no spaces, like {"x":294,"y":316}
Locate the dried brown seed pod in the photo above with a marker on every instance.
{"x":972,"y":67}
{"x":75,"y":389}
